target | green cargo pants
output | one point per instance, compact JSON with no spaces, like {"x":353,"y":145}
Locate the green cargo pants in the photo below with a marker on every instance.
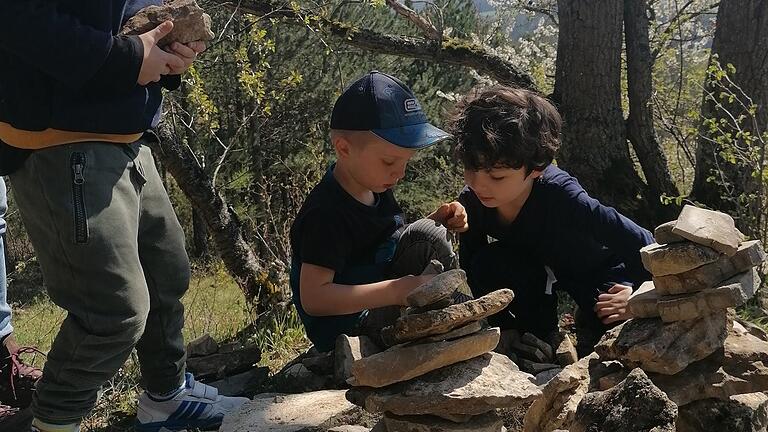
{"x":112,"y":255}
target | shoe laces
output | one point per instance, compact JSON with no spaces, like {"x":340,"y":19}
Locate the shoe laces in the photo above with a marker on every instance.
{"x":18,"y":365}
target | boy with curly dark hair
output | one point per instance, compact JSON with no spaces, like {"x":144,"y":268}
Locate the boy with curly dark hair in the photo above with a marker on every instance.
{"x":532,"y":227}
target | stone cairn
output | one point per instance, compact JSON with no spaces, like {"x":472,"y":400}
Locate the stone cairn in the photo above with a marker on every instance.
{"x":683,"y":363}
{"x":700,"y":267}
{"x":439,"y":372}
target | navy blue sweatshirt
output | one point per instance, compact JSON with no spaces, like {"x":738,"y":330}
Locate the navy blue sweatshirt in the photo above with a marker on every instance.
{"x":63,"y":66}
{"x":586,"y":244}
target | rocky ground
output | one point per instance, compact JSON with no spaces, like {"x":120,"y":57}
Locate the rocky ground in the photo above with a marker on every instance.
{"x":686,"y":363}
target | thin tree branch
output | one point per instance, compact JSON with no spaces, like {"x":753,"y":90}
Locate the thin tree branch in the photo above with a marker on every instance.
{"x":411,"y":15}
{"x":662,"y":38}
{"x":451,"y":51}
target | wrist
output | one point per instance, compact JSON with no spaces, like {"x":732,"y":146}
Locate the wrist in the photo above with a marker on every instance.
{"x":404,"y":286}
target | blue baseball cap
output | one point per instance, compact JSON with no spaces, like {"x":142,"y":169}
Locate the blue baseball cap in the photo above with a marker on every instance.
{"x":385,"y":106}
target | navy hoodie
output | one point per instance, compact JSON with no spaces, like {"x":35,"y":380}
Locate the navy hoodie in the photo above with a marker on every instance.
{"x":63,"y":66}
{"x":588,"y":246}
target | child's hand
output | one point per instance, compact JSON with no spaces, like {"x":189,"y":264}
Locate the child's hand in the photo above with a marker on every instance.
{"x":156,"y":61}
{"x":452,"y":215}
{"x":188,"y":53}
{"x":613,"y":305}
{"x":406,"y":284}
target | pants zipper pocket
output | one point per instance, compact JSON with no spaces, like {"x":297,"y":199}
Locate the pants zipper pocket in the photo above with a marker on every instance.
{"x":77,"y":162}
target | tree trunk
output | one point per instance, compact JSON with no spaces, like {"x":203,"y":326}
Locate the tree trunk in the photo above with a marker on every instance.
{"x":224,"y":226}
{"x":199,"y":235}
{"x":588,"y":91}
{"x":741,"y":39}
{"x":640,"y":129}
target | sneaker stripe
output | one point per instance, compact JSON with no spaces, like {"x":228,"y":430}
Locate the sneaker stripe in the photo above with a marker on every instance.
{"x":196,"y":408}
{"x":191,"y":410}
{"x":199,"y":410}
{"x":179,"y":411}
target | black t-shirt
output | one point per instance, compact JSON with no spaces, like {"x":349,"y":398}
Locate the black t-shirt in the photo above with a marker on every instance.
{"x":356,"y":241}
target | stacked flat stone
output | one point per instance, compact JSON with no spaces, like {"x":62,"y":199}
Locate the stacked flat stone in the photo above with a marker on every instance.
{"x":711,"y":369}
{"x":700,"y":267}
{"x":440,"y":373}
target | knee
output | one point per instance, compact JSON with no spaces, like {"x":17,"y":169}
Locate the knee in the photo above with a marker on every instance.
{"x":124,"y":325}
{"x":133,"y":317}
{"x":182,"y":274}
{"x":133,"y":329}
{"x":434,"y":236}
{"x":172,"y":276}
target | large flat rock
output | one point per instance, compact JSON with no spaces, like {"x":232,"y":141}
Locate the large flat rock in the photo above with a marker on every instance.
{"x":740,"y":367}
{"x":434,"y":322}
{"x":489,"y":422}
{"x":665,"y":348}
{"x":709,"y":228}
{"x":471,"y":387}
{"x":691,"y":306}
{"x":287,"y":413}
{"x":401,"y":363}
{"x":675,"y":258}
{"x":749,"y":254}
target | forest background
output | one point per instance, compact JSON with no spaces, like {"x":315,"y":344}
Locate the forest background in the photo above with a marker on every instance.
{"x":665,"y":103}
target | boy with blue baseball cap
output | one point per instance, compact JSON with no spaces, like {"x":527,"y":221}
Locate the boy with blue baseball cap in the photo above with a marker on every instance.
{"x":354,"y":260}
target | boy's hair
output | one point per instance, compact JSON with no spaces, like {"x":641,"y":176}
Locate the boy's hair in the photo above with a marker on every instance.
{"x":350,"y":135}
{"x":505,"y":127}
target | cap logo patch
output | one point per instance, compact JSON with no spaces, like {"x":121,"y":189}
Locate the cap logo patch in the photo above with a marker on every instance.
{"x":412,"y":105}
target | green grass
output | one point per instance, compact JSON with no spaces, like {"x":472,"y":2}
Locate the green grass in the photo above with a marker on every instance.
{"x":752,"y":312}
{"x":281,"y":337}
{"x":214,"y":304}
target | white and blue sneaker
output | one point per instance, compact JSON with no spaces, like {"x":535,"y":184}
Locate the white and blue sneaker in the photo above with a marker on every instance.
{"x":195,"y":405}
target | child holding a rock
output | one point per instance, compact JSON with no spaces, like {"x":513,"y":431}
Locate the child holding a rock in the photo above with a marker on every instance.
{"x":533,"y":228}
{"x":353,"y":257}
{"x":77,"y":102}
